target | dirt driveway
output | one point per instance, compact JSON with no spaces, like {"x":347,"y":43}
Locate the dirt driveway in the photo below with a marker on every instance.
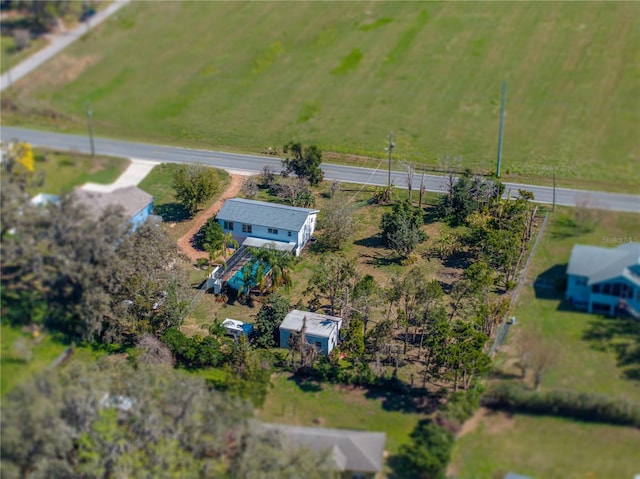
{"x":184,"y":243}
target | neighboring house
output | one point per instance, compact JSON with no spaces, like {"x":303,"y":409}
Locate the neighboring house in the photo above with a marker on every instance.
{"x":357,"y":454}
{"x":43,"y":199}
{"x":605,"y":280}
{"x":322,"y":331}
{"x":269,"y":221}
{"x":136,"y":203}
{"x":236,"y":328}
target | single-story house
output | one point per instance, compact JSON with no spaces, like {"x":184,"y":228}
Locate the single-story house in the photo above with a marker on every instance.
{"x":322,"y":331}
{"x":357,"y":454}
{"x":136,"y":203}
{"x":269,"y":221}
{"x":236,"y":328}
{"x":605,"y":280}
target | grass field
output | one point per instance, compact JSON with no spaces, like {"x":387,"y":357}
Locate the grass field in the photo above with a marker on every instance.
{"x":328,"y":405}
{"x":590,"y":347}
{"x":249,"y":75}
{"x":10,"y":57}
{"x":545,"y":447}
{"x":63,"y":171}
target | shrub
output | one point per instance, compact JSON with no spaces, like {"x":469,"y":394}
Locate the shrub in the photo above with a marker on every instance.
{"x":564,"y":403}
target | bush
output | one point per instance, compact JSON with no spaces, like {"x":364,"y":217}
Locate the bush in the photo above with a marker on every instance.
{"x":195,"y":352}
{"x":564,"y":403}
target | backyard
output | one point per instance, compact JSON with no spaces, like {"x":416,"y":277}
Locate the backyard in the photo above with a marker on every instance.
{"x":333,"y":73}
{"x":591,"y":357}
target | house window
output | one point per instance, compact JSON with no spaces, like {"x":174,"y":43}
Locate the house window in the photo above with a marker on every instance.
{"x":246,"y":228}
{"x":606,"y":289}
{"x":228,"y":225}
{"x":616,"y":289}
{"x":318,"y":345}
{"x":289,"y":234}
{"x":596,"y":288}
{"x":273,"y":231}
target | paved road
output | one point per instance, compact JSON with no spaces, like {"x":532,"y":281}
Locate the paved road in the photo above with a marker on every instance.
{"x":254,"y":163}
{"x":58,"y":42}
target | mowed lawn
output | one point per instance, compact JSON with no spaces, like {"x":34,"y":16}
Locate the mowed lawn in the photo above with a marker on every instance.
{"x":250,"y":75}
{"x":329,"y":405}
{"x":545,"y":447}
{"x":589,"y":359}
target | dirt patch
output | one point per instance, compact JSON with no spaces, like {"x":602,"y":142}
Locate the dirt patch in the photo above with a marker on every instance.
{"x":495,"y":422}
{"x":63,"y":69}
{"x":184,"y":243}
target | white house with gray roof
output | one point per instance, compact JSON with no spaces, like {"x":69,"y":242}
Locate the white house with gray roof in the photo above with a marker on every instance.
{"x":605,"y":280}
{"x":268,"y":221}
{"x":322,"y":331}
{"x":356,"y":454}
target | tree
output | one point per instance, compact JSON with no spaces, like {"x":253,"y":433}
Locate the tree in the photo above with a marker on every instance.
{"x":366,"y":296}
{"x":536,"y":354}
{"x":153,"y":352}
{"x":94,"y":280}
{"x":428,"y":454}
{"x":411,"y":172}
{"x":213,"y":238}
{"x":337,"y":224}
{"x":468,"y":194}
{"x":332,"y":279}
{"x":250,"y":187}
{"x":194,"y":185}
{"x":304,"y":162}
{"x":402,"y":228}
{"x":354,"y":338}
{"x":269,"y":318}
{"x":105,"y":420}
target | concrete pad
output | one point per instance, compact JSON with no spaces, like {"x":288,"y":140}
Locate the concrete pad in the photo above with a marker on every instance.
{"x":136,"y":172}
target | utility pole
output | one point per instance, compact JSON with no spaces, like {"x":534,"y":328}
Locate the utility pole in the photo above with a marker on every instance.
{"x":90,"y":127}
{"x":504,"y":101}
{"x":390,"y":148}
{"x":554,"y":193}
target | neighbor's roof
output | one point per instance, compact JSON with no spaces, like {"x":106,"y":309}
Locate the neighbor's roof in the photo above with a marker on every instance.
{"x":320,"y":325}
{"x":600,"y":264}
{"x":42,"y":199}
{"x":358,"y":451}
{"x":232,"y":324}
{"x":272,"y":215}
{"x":132,"y":199}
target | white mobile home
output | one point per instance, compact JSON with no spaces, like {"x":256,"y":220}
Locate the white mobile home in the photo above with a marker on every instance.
{"x":322,"y":331}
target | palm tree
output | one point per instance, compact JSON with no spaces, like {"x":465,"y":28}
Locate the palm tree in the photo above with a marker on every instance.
{"x":228,"y":241}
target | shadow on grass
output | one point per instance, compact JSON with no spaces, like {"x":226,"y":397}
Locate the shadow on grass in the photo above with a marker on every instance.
{"x":307,"y":385}
{"x":551,"y":283}
{"x":172,"y":212}
{"x":406,"y":402}
{"x":460,"y":260}
{"x":620,"y":336}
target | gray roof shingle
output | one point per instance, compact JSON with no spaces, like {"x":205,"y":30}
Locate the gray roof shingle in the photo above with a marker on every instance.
{"x":600,"y":264}
{"x":359,"y":451}
{"x":260,"y":213}
{"x":132,"y":199}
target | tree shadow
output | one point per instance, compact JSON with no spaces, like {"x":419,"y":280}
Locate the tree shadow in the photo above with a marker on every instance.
{"x":172,"y":212}
{"x":307,"y":385}
{"x":460,"y":260}
{"x":551,"y":283}
{"x":621,"y":336}
{"x":431,"y":214}
{"x":375,"y":241}
{"x":417,"y":400}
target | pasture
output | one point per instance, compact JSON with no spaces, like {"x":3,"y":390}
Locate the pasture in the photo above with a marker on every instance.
{"x":246,"y":76}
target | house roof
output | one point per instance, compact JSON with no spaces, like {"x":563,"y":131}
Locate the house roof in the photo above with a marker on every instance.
{"x":600,"y":264}
{"x":42,"y":199}
{"x":269,"y":244}
{"x":271,"y":215}
{"x":319,"y":325}
{"x":358,"y":451}
{"x":132,"y":199}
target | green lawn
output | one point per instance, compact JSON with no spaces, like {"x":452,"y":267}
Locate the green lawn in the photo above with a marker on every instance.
{"x":327,"y":405}
{"x":10,"y":57}
{"x":158,"y":183}
{"x":589,"y":347}
{"x":248,"y":75}
{"x":63,"y":171}
{"x":545,"y":447}
{"x":41,"y":351}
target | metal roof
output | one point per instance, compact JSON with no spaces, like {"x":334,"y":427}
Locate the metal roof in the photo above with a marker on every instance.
{"x":357,"y":451}
{"x":132,"y":200}
{"x":600,"y":264}
{"x":269,"y":244}
{"x":319,"y":325}
{"x":261,"y":213}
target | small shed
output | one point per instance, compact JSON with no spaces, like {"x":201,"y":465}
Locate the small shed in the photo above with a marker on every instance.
{"x":322,"y":331}
{"x":236,"y":328}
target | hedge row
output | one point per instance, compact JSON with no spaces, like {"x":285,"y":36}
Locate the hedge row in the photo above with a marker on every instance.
{"x":564,"y":403}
